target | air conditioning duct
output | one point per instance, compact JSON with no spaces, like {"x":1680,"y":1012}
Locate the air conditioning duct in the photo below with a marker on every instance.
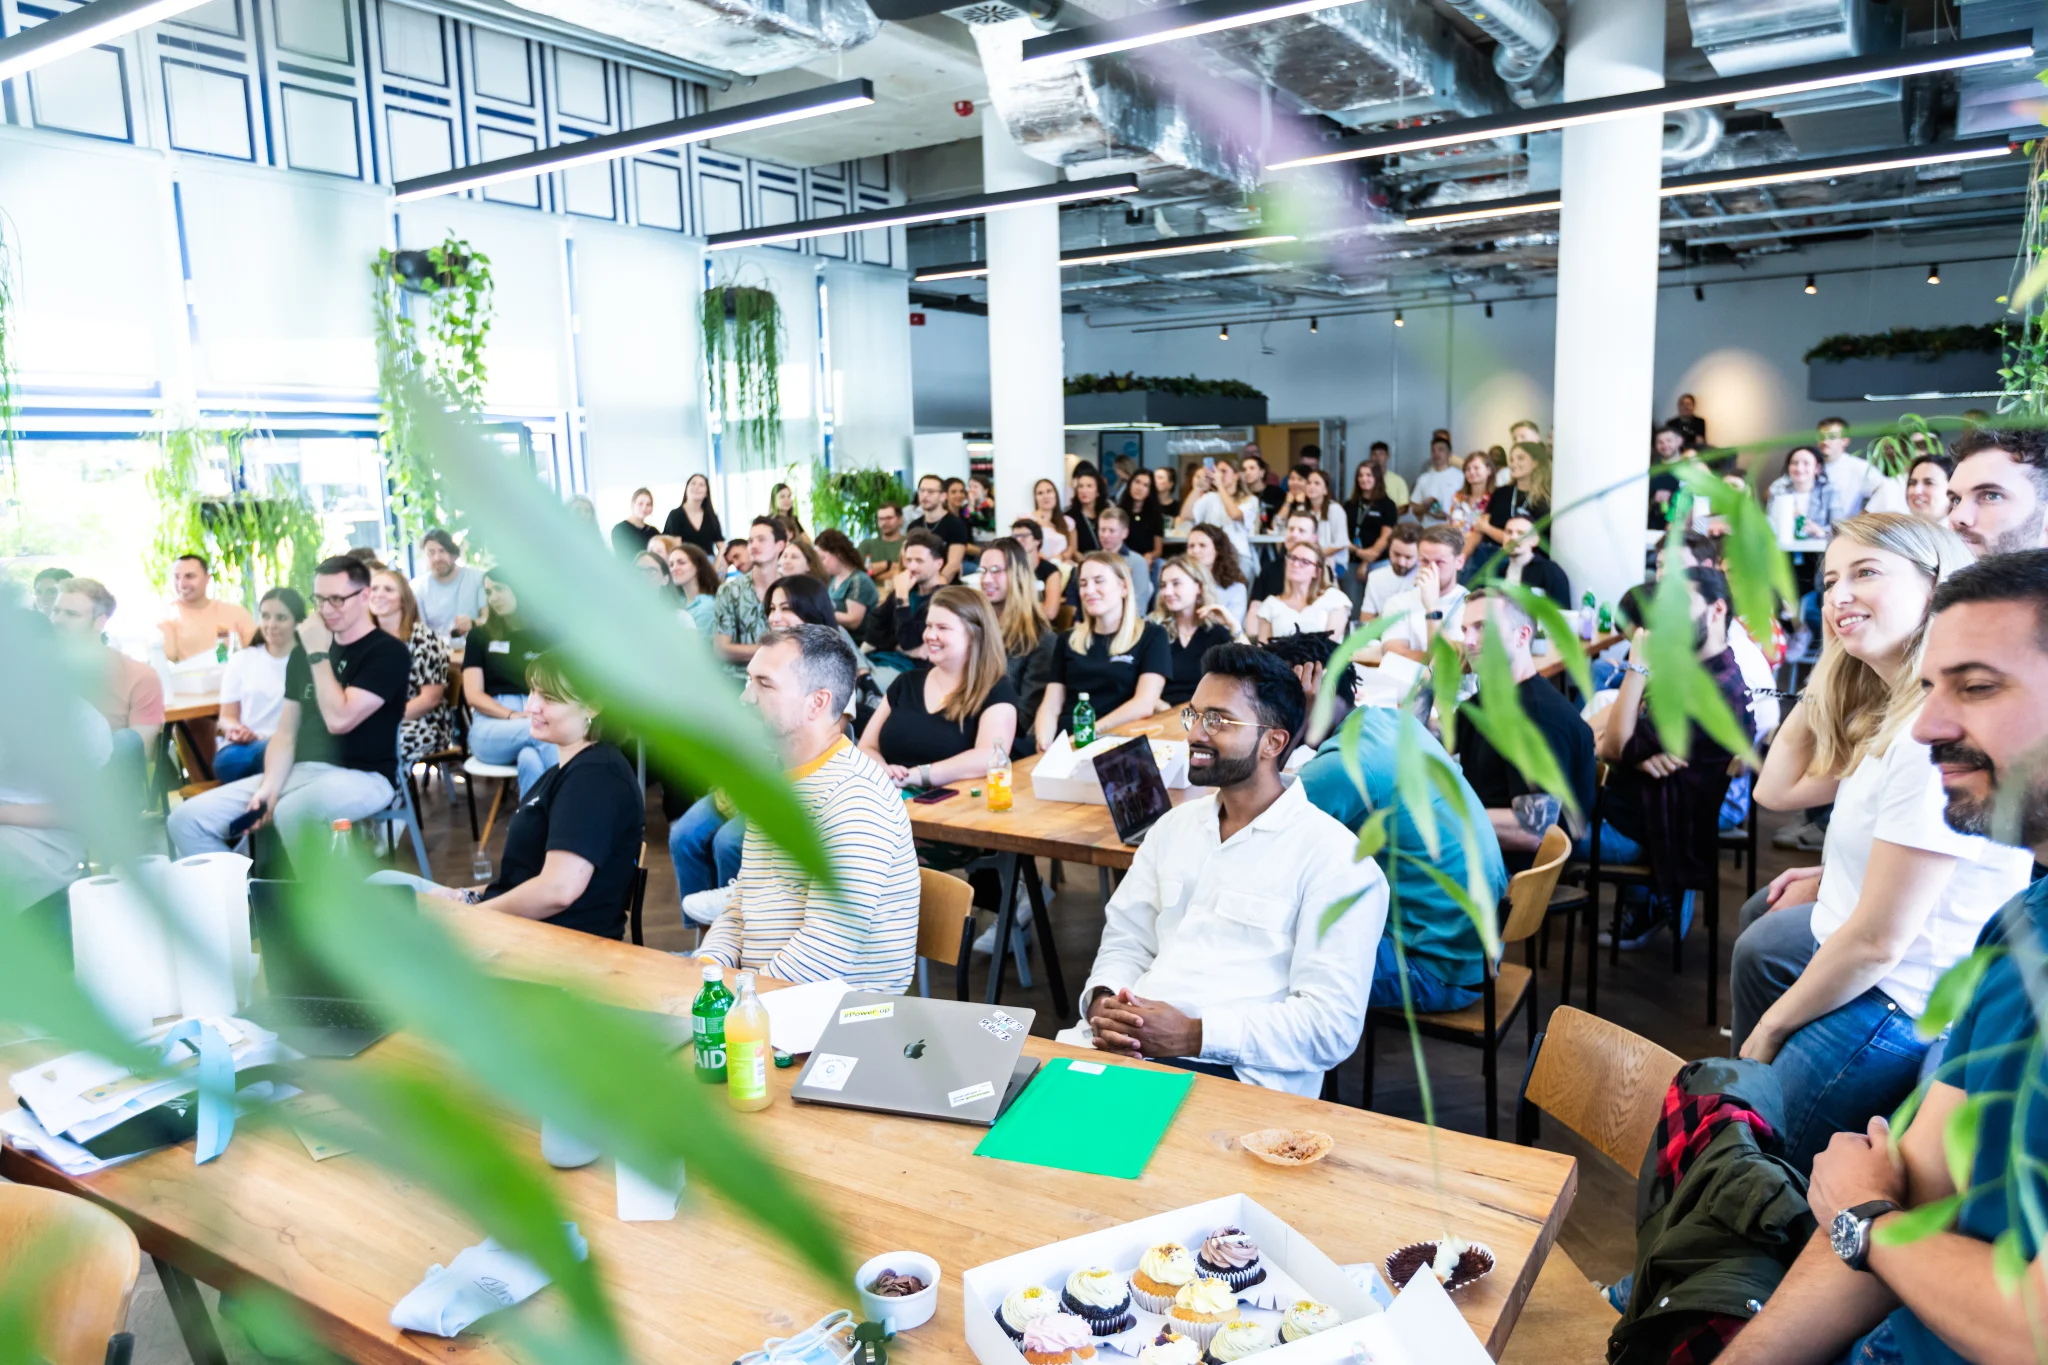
{"x":750,"y":37}
{"x":1525,"y":39}
{"x":1744,"y":36}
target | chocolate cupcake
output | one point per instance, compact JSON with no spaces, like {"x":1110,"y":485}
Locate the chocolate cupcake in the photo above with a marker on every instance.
{"x":1231,"y":1256}
{"x":1102,"y":1299}
{"x":1455,"y":1263}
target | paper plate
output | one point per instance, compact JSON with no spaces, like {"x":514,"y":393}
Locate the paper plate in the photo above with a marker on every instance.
{"x":1288,"y":1146}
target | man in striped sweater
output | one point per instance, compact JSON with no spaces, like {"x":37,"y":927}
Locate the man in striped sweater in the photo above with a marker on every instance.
{"x":779,"y":921}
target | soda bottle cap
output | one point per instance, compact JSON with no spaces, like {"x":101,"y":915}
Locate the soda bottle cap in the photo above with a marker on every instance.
{"x":342,"y":827}
{"x":1084,"y":696}
{"x":713,"y":972}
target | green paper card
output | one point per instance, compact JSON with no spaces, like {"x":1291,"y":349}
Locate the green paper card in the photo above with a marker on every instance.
{"x":1095,"y":1117}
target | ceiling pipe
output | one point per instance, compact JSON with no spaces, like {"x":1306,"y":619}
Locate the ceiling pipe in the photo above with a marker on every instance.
{"x":1526,"y":36}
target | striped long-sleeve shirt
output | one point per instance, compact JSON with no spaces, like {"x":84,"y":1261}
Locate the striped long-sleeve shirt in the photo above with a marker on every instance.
{"x":783,"y":924}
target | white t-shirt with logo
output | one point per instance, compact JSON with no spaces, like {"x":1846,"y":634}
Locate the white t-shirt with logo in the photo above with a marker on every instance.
{"x":1897,"y":796}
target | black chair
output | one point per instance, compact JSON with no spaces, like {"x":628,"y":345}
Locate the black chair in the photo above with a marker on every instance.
{"x":636,"y":898}
{"x":1618,"y":875}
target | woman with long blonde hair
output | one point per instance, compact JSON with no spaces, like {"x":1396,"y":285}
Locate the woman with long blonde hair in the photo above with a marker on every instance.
{"x":1056,"y":533}
{"x":1191,"y":611}
{"x":941,"y":720}
{"x":1113,"y":655}
{"x":1006,"y":566}
{"x":1526,"y":495}
{"x":1836,"y":962}
{"x":428,"y":726}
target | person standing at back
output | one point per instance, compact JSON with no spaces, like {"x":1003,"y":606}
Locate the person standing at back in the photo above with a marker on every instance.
{"x":630,"y":536}
{"x":1848,"y":474}
{"x":335,"y":753}
{"x":450,"y":594}
{"x":694,"y":520}
{"x":952,"y":532}
{"x":1437,"y":485}
{"x":197,"y":623}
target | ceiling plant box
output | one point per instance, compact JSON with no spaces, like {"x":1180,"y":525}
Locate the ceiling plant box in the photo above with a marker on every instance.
{"x":1906,"y":360}
{"x":1174,"y":401}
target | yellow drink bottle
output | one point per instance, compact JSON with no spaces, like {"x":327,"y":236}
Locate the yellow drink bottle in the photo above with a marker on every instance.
{"x":998,"y":779}
{"x":746,"y":1050}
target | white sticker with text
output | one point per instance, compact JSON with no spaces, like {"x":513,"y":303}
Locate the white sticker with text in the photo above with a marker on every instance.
{"x":829,"y":1071}
{"x":861,"y":1014}
{"x":971,"y":1094}
{"x":1007,"y":1022}
{"x":991,"y":1026}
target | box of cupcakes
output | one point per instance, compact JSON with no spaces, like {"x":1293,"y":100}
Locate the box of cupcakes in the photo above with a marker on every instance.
{"x":1220,"y":1281}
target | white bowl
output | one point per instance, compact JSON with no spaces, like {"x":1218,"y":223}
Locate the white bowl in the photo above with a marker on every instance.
{"x":912,"y":1310}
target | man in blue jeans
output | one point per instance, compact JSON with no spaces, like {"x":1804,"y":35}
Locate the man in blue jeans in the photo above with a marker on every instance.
{"x":1855,"y":1296}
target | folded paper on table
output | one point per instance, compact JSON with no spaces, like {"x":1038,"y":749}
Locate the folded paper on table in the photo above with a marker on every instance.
{"x":480,"y":1280}
{"x":798,"y":1014}
{"x":1389,"y":682}
{"x":81,"y":1096}
{"x":24,"y":1134}
{"x":1064,"y":774}
{"x":1057,"y":1123}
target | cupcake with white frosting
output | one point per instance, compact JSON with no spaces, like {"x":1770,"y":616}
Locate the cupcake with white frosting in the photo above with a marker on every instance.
{"x":1201,"y":1308}
{"x":1102,"y":1299}
{"x":1160,"y":1275}
{"x":1022,"y":1307}
{"x":1305,"y":1318}
{"x":1171,"y":1348}
{"x":1239,"y":1339}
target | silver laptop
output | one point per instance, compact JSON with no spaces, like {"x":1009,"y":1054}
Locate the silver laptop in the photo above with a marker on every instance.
{"x":905,"y":1054}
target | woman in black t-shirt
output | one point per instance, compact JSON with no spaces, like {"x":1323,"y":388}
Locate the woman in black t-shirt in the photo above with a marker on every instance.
{"x":1148,"y":523}
{"x":1371,"y":515}
{"x":573,"y":844}
{"x":940,"y":722}
{"x":694,"y":520}
{"x":494,"y":663}
{"x":1528,"y":496}
{"x":1191,"y":612}
{"x":1085,"y":508}
{"x":1114,"y":655}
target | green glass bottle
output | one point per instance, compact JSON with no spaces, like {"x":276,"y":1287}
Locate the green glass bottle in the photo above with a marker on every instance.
{"x":1084,"y":722}
{"x":707,"y":1014}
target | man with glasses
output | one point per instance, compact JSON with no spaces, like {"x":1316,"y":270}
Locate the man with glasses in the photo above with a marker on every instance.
{"x":1213,"y":956}
{"x":334,"y":756}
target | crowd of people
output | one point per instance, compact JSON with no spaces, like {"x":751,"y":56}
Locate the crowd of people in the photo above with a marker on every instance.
{"x":912,"y":660}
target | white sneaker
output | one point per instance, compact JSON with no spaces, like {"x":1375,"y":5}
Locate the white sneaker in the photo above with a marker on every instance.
{"x":704,"y":907}
{"x":985,"y":942}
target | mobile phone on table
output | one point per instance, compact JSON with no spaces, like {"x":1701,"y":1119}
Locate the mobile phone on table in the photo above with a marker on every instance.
{"x":936,"y":795}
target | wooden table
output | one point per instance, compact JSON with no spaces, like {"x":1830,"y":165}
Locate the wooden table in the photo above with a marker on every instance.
{"x":1553,"y":662}
{"x":347,"y":1239}
{"x":179,"y":713}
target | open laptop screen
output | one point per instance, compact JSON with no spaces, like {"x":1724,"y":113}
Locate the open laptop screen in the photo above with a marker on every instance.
{"x":290,"y":968}
{"x":1132,"y":788}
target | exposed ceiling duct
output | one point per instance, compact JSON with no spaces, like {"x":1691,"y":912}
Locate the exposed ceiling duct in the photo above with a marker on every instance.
{"x":1525,"y":53}
{"x":750,"y":37}
{"x":1744,"y":36}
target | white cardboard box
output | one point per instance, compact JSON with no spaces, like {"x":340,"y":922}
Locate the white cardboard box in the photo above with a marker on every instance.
{"x":1062,"y":774}
{"x":1426,"y":1331}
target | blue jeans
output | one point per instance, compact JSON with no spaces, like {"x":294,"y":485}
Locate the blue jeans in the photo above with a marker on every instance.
{"x":1430,"y":993}
{"x":1879,"y":1346}
{"x":511,"y":741}
{"x":233,"y":762}
{"x":705,"y":847}
{"x":1855,"y":1061}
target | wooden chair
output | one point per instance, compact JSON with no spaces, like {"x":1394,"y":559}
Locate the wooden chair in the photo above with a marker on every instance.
{"x":88,"y":1260}
{"x":1607,"y":1085}
{"x":636,"y":897}
{"x":945,"y":928}
{"x":1506,"y":987}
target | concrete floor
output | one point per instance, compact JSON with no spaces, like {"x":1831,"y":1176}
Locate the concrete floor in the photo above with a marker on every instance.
{"x":1641,"y":994}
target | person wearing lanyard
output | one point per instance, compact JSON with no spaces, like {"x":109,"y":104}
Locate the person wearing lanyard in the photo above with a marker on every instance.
{"x":1113,"y":654}
{"x":494,"y":667}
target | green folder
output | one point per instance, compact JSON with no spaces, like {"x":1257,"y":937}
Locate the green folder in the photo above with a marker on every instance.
{"x":1096,"y":1117}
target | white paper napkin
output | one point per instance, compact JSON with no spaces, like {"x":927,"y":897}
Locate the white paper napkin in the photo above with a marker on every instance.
{"x":480,"y":1280}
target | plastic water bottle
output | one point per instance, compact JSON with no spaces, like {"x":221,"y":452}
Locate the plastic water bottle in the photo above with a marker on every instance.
{"x":220,"y":645}
{"x":746,"y":1050}
{"x":707,"y":1025}
{"x":337,"y":842}
{"x":1084,"y":722}
{"x":998,"y":778}
{"x":1588,"y":616}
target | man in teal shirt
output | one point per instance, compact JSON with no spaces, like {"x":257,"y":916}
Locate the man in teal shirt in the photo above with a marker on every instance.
{"x":1444,"y":959}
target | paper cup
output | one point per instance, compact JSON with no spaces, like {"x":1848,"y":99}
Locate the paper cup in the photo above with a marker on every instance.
{"x":899,"y":1313}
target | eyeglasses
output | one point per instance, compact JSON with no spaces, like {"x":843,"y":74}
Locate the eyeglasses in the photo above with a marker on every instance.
{"x":1214,"y":720}
{"x":336,"y":601}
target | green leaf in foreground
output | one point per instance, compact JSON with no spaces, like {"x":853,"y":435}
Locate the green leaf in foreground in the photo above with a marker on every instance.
{"x":1914,"y":1224}
{"x":2008,"y":1261}
{"x":1959,"y":1138}
{"x":1945,"y":1003}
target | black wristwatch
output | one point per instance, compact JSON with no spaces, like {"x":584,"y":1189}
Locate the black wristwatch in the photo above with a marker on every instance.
{"x":1433,"y":616}
{"x":1850,"y":1232}
{"x":317,"y":657}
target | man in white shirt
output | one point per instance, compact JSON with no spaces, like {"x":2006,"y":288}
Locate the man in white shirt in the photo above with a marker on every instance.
{"x":1437,"y":485}
{"x":1848,"y":475}
{"x":1113,"y":529}
{"x":451,"y":595}
{"x":1397,"y":575}
{"x":1433,"y":601}
{"x":1212,"y":951}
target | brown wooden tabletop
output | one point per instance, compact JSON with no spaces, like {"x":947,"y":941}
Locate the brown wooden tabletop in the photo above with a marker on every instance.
{"x":181,"y":708}
{"x":347,"y":1239}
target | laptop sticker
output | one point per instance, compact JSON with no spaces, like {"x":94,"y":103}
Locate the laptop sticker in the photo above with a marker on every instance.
{"x":991,"y":1026}
{"x":830,"y":1071}
{"x":1007,"y":1022}
{"x":972,"y":1093}
{"x":861,"y":1014}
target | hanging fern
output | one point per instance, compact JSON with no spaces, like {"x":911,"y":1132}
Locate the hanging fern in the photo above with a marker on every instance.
{"x":460,"y":297}
{"x":253,"y":539}
{"x":7,"y":394}
{"x":742,"y":334}
{"x":2026,"y":339}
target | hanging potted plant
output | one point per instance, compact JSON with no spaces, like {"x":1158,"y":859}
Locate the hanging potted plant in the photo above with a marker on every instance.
{"x":255,"y":536}
{"x":1164,"y":400}
{"x":1905,"y":360}
{"x":742,"y":330}
{"x":454,"y":281}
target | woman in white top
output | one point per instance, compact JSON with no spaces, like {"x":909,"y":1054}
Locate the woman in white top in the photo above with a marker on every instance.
{"x":1828,"y":992}
{"x":1800,"y":501}
{"x":1334,"y":527}
{"x":1209,"y":546}
{"x":1308,"y":602}
{"x":1056,"y":533}
{"x":252,"y":688}
{"x":1215,"y":498}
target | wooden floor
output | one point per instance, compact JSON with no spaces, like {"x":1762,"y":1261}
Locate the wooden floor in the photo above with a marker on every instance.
{"x":1641,"y":994}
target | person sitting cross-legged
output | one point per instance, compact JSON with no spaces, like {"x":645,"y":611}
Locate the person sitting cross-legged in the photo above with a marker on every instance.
{"x":1440,"y":945}
{"x":335,"y":753}
{"x":1213,"y":953}
{"x":779,"y":920}
{"x":1854,"y":1294}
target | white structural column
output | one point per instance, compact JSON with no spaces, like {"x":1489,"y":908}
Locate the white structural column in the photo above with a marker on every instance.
{"x":1026,"y":367}
{"x":1607,"y":297}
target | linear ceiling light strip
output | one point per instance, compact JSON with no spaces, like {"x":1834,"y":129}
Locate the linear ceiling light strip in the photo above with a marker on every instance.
{"x":1986,"y":51}
{"x":1163,"y":26}
{"x":87,"y":26}
{"x":1749,"y":177}
{"x":970,"y":206}
{"x":1125,"y":251}
{"x":739,"y":118}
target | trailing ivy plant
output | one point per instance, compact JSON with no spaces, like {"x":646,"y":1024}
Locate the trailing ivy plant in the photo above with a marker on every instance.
{"x":848,"y":498}
{"x":7,"y":395}
{"x":447,"y":356}
{"x":2025,"y":371}
{"x":1183,"y":386}
{"x":1915,"y":343}
{"x":253,"y":539}
{"x":742,"y":334}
